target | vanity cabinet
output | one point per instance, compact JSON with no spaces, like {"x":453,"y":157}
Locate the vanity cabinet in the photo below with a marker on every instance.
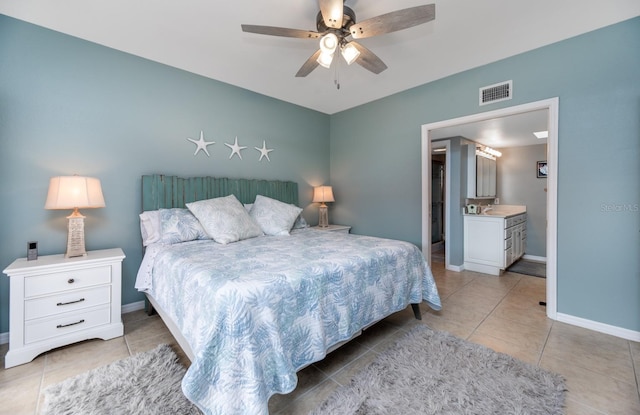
{"x":493,"y":243}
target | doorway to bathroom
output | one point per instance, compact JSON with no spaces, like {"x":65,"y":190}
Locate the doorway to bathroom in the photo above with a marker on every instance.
{"x":453,"y":233}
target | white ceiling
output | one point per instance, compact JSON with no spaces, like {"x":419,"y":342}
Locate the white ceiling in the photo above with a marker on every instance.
{"x":511,"y":131}
{"x":204,"y":37}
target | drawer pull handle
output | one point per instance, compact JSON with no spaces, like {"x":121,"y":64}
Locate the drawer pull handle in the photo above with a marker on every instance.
{"x":71,"y":302}
{"x":71,"y":280}
{"x":59,"y":326}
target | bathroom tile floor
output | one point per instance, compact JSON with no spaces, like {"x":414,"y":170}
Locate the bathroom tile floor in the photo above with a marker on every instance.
{"x":503,"y":313}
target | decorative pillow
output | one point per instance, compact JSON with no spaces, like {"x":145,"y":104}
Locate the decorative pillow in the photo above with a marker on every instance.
{"x":150,"y":227}
{"x":179,"y":225}
{"x":300,"y":223}
{"x":273,"y":216}
{"x":225,"y":219}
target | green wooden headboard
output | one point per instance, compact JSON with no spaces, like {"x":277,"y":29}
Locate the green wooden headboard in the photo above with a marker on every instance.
{"x":164,"y":192}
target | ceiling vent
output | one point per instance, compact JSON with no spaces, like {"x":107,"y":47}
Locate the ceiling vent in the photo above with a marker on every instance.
{"x":496,"y":92}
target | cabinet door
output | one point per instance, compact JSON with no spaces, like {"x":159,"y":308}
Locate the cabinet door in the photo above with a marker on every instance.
{"x":480,"y":176}
{"x":491,"y":177}
{"x":486,"y":170}
{"x":484,"y":240}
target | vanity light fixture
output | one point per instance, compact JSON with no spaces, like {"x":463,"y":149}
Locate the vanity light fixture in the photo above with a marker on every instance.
{"x":487,"y":152}
{"x":322,"y":194}
{"x":493,"y":152}
{"x":541,"y":134}
{"x":74,"y":192}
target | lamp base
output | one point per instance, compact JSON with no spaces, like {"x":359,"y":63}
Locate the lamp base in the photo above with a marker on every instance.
{"x":323,"y":218}
{"x":75,"y":237}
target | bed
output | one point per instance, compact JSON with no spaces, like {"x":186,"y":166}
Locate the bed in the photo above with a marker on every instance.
{"x":249,"y":313}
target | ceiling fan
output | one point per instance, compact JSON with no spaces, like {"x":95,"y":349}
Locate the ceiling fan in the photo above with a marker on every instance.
{"x":337,"y":28}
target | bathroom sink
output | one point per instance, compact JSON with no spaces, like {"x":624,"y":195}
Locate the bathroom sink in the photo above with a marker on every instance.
{"x":494,"y":213}
{"x":501,"y":211}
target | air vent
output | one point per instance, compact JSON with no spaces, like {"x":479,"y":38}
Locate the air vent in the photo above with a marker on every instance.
{"x":496,"y":92}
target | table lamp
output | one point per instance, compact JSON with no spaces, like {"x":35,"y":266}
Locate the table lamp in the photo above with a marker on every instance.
{"x":322,"y":194}
{"x":74,"y":192}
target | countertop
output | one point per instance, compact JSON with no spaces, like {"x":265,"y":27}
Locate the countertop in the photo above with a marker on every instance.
{"x":501,"y":211}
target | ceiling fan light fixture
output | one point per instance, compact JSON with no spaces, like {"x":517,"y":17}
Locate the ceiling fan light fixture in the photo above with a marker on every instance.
{"x":325,"y":59}
{"x":335,"y":22}
{"x":329,"y":43}
{"x":350,"y":53}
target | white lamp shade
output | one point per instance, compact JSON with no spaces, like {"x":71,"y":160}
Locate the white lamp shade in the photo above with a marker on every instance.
{"x":329,"y":43}
{"x":325,"y":59}
{"x":323,"y":194}
{"x":350,"y":53}
{"x":70,"y":192}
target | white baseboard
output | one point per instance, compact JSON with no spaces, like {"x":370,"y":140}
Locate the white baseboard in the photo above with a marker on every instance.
{"x":127,"y":308}
{"x":535,"y":258}
{"x":456,"y":268}
{"x":599,"y":327}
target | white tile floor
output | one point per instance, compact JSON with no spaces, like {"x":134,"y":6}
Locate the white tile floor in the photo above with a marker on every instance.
{"x":503,"y":313}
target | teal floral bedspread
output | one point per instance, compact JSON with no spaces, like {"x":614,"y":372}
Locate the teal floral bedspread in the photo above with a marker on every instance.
{"x":258,"y":310}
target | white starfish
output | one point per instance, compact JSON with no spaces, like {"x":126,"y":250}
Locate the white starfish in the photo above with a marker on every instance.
{"x":235,"y":148}
{"x":264,"y":151}
{"x":201,"y":144}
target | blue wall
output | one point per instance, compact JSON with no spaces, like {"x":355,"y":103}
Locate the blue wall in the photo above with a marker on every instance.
{"x":376,"y":163}
{"x":69,"y":106}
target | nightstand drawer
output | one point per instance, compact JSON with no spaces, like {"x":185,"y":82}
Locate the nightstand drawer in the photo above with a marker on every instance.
{"x":66,"y":302}
{"x":46,"y":328}
{"x":65,"y":281}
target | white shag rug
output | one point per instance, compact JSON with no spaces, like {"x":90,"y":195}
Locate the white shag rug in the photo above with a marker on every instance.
{"x":146,"y":383}
{"x":432,"y":372}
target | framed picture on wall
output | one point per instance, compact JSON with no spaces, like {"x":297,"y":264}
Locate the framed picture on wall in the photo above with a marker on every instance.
{"x":541,"y":169}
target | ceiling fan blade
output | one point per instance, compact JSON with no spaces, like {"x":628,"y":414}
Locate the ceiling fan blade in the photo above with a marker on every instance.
{"x":309,"y":65}
{"x":368,"y":59}
{"x":280,"y":31}
{"x":332,"y":12}
{"x":394,"y":21}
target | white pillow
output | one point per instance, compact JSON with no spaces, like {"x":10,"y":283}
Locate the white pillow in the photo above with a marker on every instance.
{"x":179,"y":225}
{"x":150,"y":227}
{"x":273,"y":216}
{"x":225,"y":219}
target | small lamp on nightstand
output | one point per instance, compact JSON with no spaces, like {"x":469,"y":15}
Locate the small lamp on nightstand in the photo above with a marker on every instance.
{"x":73,"y":192}
{"x":322,"y":194}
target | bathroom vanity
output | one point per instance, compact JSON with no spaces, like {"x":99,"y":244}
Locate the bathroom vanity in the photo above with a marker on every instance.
{"x":495,"y":238}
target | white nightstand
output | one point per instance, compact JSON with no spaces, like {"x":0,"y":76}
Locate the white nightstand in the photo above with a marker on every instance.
{"x":334,"y":228}
{"x":55,"y":301}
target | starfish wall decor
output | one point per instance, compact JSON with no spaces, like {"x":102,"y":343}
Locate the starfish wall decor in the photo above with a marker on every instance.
{"x":264,"y":151}
{"x":235,"y":149}
{"x":201,"y":145}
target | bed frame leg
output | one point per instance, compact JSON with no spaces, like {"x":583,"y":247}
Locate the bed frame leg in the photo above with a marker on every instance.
{"x":148,"y":306}
{"x":416,"y":311}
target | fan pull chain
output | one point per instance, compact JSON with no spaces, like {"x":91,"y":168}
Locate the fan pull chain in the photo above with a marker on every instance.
{"x":336,"y":76}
